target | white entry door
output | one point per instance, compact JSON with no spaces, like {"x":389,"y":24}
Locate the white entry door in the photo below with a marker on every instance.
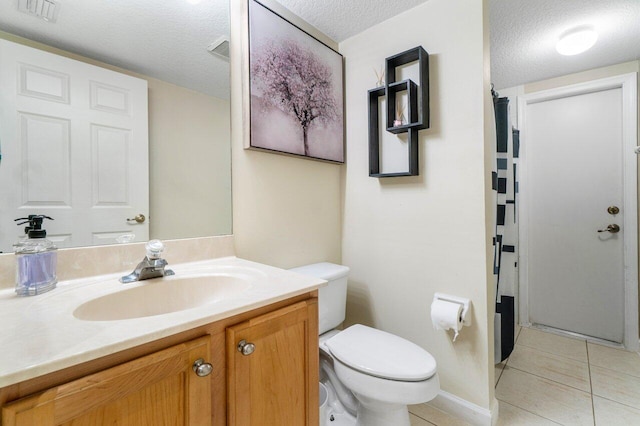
{"x":577,"y":221}
{"x":74,"y":143}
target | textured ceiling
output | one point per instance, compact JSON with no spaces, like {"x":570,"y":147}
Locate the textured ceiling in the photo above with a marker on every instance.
{"x":524,"y":33}
{"x":341,"y":19}
{"x":167,"y":39}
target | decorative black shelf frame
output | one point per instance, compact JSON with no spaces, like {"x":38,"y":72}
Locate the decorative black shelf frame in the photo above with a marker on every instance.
{"x":417,"y":111}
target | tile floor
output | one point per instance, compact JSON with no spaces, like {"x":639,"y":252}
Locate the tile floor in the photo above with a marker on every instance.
{"x":555,"y":380}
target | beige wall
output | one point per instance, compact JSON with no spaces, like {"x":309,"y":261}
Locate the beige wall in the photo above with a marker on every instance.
{"x":189,"y":163}
{"x":189,"y":153}
{"x":286,"y":210}
{"x":403,"y":238}
{"x":407,"y":238}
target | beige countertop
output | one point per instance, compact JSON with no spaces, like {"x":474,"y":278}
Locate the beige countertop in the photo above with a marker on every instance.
{"x":40,"y":334}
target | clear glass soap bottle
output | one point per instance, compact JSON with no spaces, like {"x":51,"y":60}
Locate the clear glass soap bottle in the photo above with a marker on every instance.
{"x":36,"y":259}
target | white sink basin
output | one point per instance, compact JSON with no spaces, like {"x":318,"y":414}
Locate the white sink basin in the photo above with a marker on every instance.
{"x":163,"y":296}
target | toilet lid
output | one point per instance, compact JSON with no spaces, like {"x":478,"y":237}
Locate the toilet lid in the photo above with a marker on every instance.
{"x":381,"y":354}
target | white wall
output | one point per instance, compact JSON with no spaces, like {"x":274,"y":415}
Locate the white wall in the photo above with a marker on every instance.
{"x":286,"y":210}
{"x":407,"y":238}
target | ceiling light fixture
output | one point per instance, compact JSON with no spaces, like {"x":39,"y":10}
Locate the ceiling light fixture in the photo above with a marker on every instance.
{"x":576,"y":40}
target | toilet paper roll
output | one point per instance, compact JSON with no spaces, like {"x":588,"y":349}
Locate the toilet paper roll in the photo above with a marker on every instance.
{"x":446,"y":316}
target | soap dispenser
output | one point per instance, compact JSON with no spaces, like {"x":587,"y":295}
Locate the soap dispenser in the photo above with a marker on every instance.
{"x":36,"y":259}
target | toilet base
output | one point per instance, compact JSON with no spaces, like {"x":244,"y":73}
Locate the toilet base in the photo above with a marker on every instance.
{"x":335,"y":414}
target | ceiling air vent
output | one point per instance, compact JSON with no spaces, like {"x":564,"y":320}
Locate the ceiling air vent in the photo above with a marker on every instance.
{"x":44,"y":9}
{"x":220,"y":48}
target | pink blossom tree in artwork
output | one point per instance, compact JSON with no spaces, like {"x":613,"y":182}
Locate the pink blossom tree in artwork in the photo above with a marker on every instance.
{"x":297,"y":82}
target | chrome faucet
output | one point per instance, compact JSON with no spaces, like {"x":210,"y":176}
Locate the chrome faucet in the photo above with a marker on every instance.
{"x":152,"y":266}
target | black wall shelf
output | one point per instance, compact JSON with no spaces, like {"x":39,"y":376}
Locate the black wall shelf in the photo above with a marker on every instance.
{"x":417,"y":109}
{"x":412,"y":111}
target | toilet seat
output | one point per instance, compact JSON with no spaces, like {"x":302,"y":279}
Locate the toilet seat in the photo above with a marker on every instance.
{"x":381,"y":354}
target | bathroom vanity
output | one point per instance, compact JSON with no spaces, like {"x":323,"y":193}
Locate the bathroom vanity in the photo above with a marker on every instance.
{"x":248,"y":357}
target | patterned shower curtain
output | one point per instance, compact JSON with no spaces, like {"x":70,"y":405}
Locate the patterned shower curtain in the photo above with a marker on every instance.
{"x":505,"y":241}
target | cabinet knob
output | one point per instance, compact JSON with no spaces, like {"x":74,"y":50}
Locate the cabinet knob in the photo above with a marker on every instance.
{"x":202,"y":368}
{"x":246,"y":348}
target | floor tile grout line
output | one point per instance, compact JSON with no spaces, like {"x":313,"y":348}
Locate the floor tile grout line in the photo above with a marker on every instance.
{"x":429,"y":421}
{"x":616,"y":402}
{"x":506,"y":361}
{"x":420,"y":417}
{"x":589,"y":364}
{"x":559,"y":333}
{"x":551,"y":380}
{"x":552,"y":353}
{"x":615,"y":371}
{"x":560,"y":336}
{"x":560,"y":356}
{"x":530,"y":412}
{"x":613,"y":345}
{"x":604,"y":397}
{"x":593,"y":405}
{"x":501,"y":372}
{"x":545,"y":378}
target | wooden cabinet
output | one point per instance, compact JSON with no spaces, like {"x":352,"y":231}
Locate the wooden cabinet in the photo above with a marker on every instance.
{"x":154,"y":384}
{"x":268,"y":360}
{"x":157,"y":389}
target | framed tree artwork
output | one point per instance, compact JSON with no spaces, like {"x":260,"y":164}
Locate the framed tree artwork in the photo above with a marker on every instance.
{"x":296,"y":89}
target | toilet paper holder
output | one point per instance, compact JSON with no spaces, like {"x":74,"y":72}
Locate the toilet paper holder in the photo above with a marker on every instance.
{"x":465,"y":302}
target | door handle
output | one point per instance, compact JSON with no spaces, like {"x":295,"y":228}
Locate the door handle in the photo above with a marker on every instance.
{"x":140,"y":218}
{"x":613,"y":228}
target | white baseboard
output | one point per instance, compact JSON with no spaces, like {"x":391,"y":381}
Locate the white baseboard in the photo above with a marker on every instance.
{"x":465,"y":410}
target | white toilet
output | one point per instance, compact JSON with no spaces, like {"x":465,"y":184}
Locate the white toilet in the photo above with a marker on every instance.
{"x":384,"y":372}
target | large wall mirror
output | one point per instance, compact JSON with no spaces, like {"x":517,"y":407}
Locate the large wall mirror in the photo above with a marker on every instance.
{"x":114,"y":119}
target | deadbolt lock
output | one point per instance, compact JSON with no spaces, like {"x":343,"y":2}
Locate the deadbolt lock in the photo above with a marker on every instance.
{"x":613,"y":210}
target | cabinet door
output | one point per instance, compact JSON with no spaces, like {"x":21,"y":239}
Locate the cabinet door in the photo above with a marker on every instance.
{"x":158,"y":389}
{"x":276,"y":384}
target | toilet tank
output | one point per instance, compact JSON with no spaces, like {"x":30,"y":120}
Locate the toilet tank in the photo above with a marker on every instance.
{"x":332,"y":299}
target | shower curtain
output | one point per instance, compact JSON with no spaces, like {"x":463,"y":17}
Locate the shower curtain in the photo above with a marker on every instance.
{"x":505,"y":241}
